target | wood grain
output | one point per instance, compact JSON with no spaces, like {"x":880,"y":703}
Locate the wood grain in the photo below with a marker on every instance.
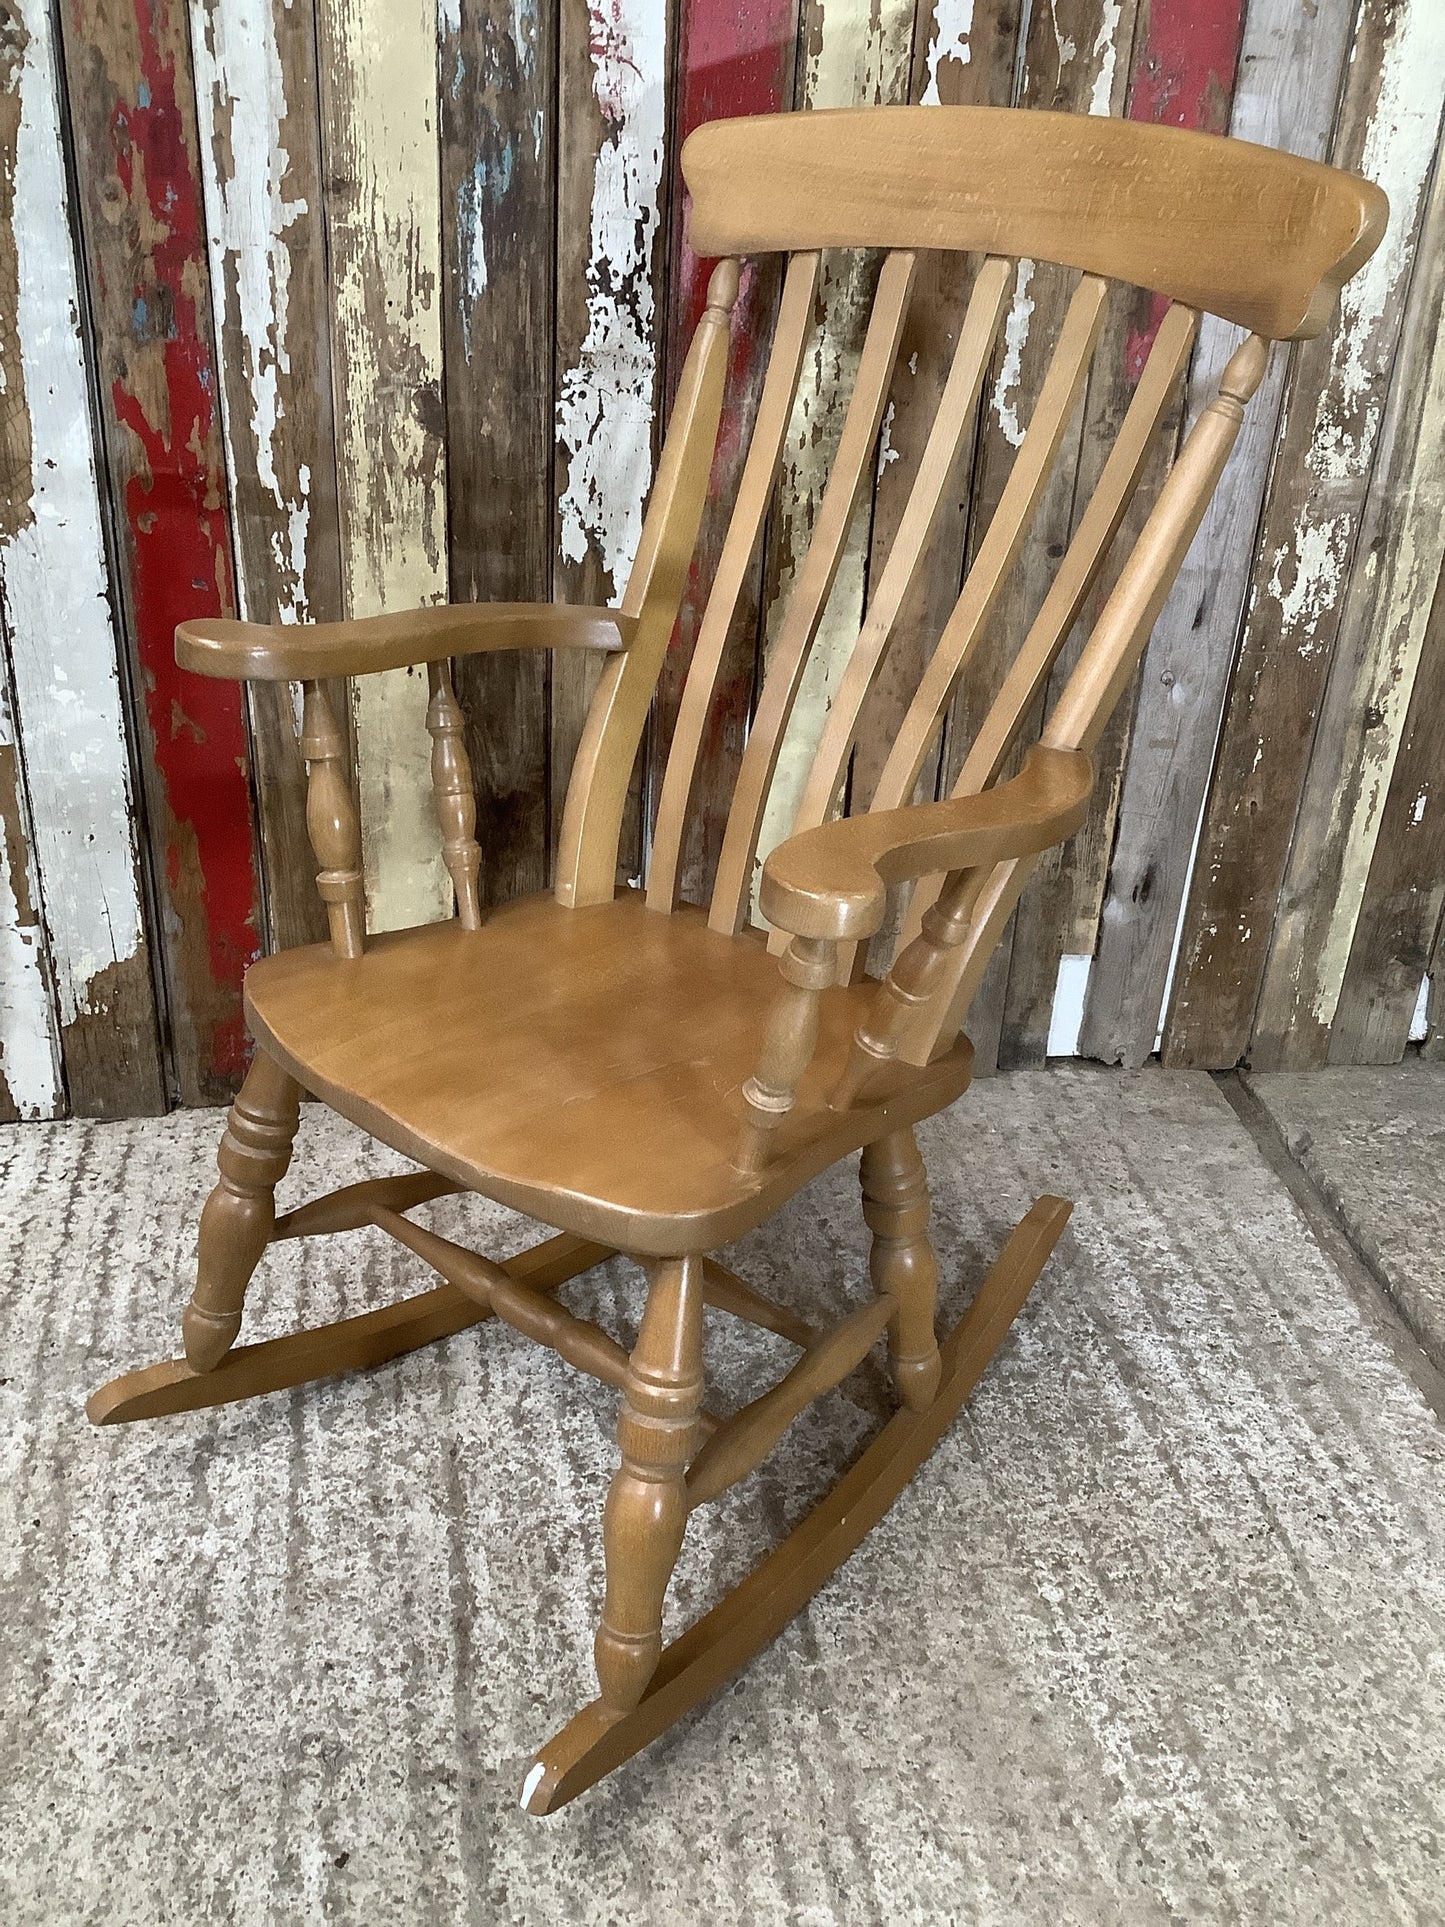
{"x":1404,"y":895}
{"x":259,"y":125}
{"x":30,"y":1082}
{"x":499,"y":132}
{"x":379,"y":141}
{"x":1382,"y":632}
{"x":132,"y":113}
{"x":1289,"y":75}
{"x":55,"y":591}
{"x":1389,"y":118}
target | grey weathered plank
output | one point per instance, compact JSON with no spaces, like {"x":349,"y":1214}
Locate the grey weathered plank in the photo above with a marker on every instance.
{"x":498,"y":157}
{"x":1389,"y":116}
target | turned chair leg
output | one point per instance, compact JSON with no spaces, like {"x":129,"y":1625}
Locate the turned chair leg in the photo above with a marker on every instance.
{"x":240,"y":1214}
{"x":901,"y":1262}
{"x":647,"y":1502}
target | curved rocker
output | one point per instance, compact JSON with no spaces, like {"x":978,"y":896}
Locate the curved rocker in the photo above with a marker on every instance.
{"x":755,"y":1612}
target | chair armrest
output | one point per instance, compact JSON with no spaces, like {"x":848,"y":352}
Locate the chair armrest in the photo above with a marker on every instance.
{"x":832,"y":882}
{"x":304,"y":652}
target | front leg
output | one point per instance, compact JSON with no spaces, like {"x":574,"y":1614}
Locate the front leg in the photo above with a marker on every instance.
{"x":902,"y":1263}
{"x":647,"y":1504}
{"x":240,"y":1214}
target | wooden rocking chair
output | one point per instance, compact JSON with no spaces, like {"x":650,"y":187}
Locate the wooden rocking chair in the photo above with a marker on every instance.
{"x":646,"y":1076}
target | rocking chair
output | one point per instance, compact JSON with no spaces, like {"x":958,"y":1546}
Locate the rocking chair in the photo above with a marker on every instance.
{"x":654,"y":1078}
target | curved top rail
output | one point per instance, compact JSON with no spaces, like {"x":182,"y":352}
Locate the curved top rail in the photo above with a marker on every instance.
{"x":1259,"y":237}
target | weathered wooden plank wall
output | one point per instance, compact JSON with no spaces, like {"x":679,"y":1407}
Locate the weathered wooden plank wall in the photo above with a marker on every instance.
{"x":317,"y":307}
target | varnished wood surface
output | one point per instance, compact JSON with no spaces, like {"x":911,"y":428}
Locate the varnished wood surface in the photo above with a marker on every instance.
{"x":584,"y":1066}
{"x":1254,"y":235}
{"x":276,"y":652}
{"x":755,"y":1612}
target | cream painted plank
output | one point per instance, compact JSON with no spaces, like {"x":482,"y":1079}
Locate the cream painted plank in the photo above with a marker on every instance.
{"x":379,"y":139}
{"x":63,"y":646}
{"x":857,"y":52}
{"x":1382,"y":631}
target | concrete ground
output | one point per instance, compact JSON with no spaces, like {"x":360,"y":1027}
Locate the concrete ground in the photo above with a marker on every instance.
{"x":1373,"y":1141}
{"x":1158,"y":1633}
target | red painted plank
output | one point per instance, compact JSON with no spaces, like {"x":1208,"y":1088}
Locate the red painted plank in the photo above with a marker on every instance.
{"x":146,"y":246}
{"x":1183,"y":77}
{"x":733,"y":60}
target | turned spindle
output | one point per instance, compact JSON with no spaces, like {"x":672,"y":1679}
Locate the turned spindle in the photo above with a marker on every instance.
{"x":456,"y":802}
{"x":901,"y":1263}
{"x":917,"y":973}
{"x":647,"y":1503}
{"x":808,"y":966}
{"x":332,"y":822}
{"x":240,"y":1214}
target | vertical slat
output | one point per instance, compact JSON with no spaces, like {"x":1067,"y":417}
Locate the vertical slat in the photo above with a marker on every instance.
{"x":499,"y":185}
{"x":1105,"y":667}
{"x":1404,"y":895}
{"x":259,"y":129}
{"x":1075,"y":60}
{"x":1289,"y":77}
{"x":379,"y":140}
{"x":1097,"y":530}
{"x":732,"y":61}
{"x":30,"y":1083}
{"x":729,"y":606}
{"x":964,"y":54}
{"x":857,"y":52}
{"x":975,"y":614}
{"x":612,"y":101}
{"x":592,"y":822}
{"x":756,"y":792}
{"x":1391,"y":111}
{"x":132,"y":109}
{"x":1382,"y":631}
{"x":55,"y":598}
{"x":953,"y":423}
{"x":1181,"y":75}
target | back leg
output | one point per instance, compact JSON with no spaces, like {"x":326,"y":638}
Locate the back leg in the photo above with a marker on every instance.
{"x":902,"y":1263}
{"x":240,"y":1214}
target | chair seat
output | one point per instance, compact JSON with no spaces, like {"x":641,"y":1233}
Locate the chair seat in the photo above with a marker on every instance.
{"x":583,"y":1066}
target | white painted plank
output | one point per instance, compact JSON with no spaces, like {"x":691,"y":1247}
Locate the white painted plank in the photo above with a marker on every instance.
{"x":53,"y":578}
{"x":605,"y":397}
{"x":30,"y":1084}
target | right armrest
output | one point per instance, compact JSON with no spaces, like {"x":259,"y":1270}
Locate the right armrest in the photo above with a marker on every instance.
{"x":306,"y":652}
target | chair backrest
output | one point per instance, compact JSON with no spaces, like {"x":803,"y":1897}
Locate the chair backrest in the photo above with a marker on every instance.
{"x":1257,"y":237}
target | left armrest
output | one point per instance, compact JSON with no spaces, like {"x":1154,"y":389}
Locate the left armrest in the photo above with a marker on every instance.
{"x":311,"y":651}
{"x":832,"y":882}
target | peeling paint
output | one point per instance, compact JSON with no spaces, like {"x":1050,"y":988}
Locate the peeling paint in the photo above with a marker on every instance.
{"x":53,"y":579}
{"x":1015,"y":337}
{"x":241,"y":84}
{"x":29,"y":1071}
{"x":604,"y":408}
{"x":947,"y":41}
{"x":1106,"y":52}
{"x":386,"y":262}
